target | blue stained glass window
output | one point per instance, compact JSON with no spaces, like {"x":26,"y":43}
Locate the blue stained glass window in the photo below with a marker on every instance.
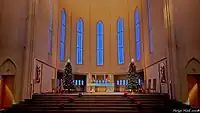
{"x":79,"y":82}
{"x":120,"y":82}
{"x":96,"y":81}
{"x":120,"y":41}
{"x":139,"y":81}
{"x":63,"y":34}
{"x":82,"y":82}
{"x":79,"y":43}
{"x":137,"y":35}
{"x":58,"y":82}
{"x":126,"y":82}
{"x":117,"y":82}
{"x":100,"y":48}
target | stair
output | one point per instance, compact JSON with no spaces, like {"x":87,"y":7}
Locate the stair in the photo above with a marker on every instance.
{"x":49,"y":103}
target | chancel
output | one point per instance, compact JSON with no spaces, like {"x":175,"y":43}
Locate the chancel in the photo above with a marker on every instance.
{"x":114,"y":53}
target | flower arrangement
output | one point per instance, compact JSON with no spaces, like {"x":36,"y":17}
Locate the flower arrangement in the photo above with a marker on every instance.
{"x":71,"y":99}
{"x":61,"y":105}
{"x":132,"y":99}
{"x":139,"y":104}
{"x":80,"y":94}
{"x":125,"y":94}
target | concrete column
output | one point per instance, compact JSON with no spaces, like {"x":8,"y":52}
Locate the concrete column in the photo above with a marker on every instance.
{"x":13,"y":29}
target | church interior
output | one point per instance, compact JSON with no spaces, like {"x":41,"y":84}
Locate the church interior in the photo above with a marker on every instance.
{"x":100,"y":39}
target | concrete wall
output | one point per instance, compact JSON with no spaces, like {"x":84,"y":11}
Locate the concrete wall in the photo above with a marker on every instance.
{"x":13,"y":29}
{"x":24,"y":37}
{"x":186,"y":15}
{"x":159,"y":40}
{"x":184,"y":42}
{"x":92,"y":11}
{"x":41,"y":35}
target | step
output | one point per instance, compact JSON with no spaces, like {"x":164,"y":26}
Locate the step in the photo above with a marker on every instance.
{"x":91,"y":107}
{"x":66,"y":96}
{"x":108,"y":99}
{"x":86,"y":111}
{"x":91,"y":104}
{"x":61,"y":96}
{"x":100,"y":96}
{"x":84,"y":102}
{"x":83,"y":108}
{"x":85,"y":105}
{"x":94,"y":101}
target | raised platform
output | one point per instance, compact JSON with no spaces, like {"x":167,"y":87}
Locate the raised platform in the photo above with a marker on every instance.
{"x":104,"y":93}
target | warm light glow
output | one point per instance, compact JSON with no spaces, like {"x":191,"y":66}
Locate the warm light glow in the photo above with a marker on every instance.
{"x":68,"y":60}
{"x":10,"y":95}
{"x":193,"y":94}
{"x":165,"y":15}
{"x":132,"y":60}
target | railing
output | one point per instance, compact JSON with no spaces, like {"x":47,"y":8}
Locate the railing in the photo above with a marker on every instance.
{"x":43,"y":62}
{"x":48,"y":65}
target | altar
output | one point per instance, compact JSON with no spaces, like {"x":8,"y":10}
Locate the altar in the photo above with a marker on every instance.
{"x":106,"y":87}
{"x":100,"y":83}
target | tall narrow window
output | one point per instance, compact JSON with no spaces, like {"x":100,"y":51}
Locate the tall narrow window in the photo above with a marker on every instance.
{"x":120,"y":82}
{"x":117,"y":82}
{"x":120,"y":40}
{"x":50,"y":28}
{"x":150,"y":26}
{"x":63,"y":34}
{"x":137,"y":35}
{"x":79,"y":42}
{"x":126,"y":82}
{"x":100,"y":43}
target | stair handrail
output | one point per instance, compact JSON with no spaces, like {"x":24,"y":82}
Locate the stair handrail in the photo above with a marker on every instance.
{"x":49,"y":65}
{"x":43,"y":62}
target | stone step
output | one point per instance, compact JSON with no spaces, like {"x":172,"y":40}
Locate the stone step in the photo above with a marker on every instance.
{"x":82,"y":98}
{"x":62,"y":96}
{"x":94,"y":102}
{"x":106,"y":99}
{"x":83,"y":108}
{"x":99,"y":96}
{"x":84,"y":102}
{"x":85,"y":111}
{"x":51,"y":103}
{"x":86,"y":105}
